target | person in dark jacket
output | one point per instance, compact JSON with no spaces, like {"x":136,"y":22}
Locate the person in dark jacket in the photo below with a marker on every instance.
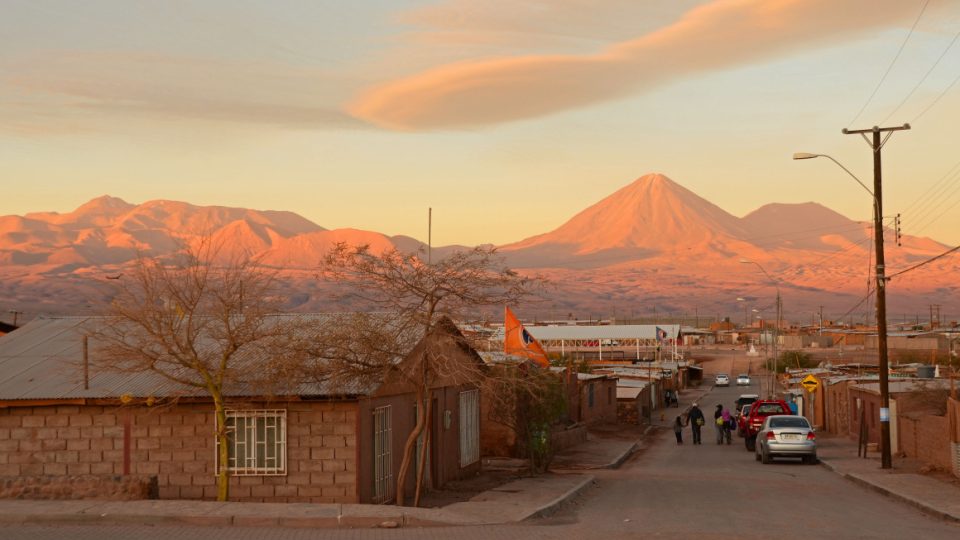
{"x":695,"y":417}
{"x":678,"y":429}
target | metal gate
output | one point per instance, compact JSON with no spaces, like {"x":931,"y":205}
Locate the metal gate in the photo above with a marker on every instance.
{"x":383,"y":484}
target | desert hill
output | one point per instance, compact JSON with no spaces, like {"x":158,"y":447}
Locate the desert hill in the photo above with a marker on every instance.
{"x":651,"y":243}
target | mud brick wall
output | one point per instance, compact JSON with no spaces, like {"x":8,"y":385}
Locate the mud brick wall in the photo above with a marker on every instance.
{"x":628,"y":411}
{"x":177,"y":444}
{"x":563,"y":438}
{"x":88,"y":486}
{"x":927,"y":438}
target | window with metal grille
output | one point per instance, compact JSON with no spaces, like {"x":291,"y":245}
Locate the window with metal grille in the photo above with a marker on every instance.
{"x":469,"y":427}
{"x":383,"y":485}
{"x":257,"y":443}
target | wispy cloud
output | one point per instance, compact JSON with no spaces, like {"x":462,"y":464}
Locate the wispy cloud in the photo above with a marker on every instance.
{"x":55,"y":92}
{"x":720,"y":34}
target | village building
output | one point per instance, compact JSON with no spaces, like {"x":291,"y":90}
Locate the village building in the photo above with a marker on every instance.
{"x":67,"y":434}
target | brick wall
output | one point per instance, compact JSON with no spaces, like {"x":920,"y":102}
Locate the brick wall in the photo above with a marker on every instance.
{"x":176,"y":445}
{"x":927,"y":438}
{"x":628,"y":411}
{"x":87,"y":486}
{"x":604,"y":406}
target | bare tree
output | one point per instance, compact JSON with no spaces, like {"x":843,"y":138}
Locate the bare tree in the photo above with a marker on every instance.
{"x":414,"y":299}
{"x":197,"y":321}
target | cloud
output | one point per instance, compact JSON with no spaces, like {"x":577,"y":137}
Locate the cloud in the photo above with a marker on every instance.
{"x":720,"y":34}
{"x":57,"y":92}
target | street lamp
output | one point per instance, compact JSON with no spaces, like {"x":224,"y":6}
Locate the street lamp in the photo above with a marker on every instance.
{"x":886,"y":459}
{"x":776,"y":330}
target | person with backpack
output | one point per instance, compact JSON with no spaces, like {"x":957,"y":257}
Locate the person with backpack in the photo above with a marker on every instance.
{"x":695,"y":417}
{"x":729,"y":424}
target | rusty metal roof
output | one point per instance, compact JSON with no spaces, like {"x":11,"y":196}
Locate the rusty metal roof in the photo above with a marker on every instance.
{"x":43,"y":360}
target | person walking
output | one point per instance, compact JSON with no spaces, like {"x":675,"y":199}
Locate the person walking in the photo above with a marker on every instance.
{"x":695,"y":417}
{"x":718,"y":423}
{"x":728,"y":424}
{"x":678,"y":429}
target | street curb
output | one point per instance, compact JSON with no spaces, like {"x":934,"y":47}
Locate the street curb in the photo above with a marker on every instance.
{"x":902,"y":498}
{"x":572,"y":493}
{"x":616,"y":463}
{"x":863,"y":482}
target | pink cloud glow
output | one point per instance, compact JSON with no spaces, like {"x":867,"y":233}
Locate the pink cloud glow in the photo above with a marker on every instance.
{"x":721,"y":34}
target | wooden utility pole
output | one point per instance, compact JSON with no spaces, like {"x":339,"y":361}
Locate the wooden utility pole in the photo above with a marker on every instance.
{"x":876,"y":143}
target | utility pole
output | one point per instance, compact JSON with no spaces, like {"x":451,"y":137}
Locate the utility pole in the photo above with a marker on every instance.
{"x":820,"y":331}
{"x":876,"y":144}
{"x":15,"y":314}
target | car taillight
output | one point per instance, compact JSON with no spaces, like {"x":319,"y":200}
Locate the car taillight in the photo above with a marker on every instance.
{"x":771,"y":436}
{"x":811,"y":436}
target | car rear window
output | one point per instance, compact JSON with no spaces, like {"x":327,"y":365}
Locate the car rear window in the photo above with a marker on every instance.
{"x":746,"y":410}
{"x":769,"y":408}
{"x":789,"y":422}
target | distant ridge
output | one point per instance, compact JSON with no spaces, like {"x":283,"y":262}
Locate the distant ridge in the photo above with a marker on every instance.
{"x":652,"y":241}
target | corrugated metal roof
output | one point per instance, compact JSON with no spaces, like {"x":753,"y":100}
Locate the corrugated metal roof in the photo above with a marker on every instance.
{"x":43,"y":360}
{"x":614,"y":331}
{"x":625,"y":331}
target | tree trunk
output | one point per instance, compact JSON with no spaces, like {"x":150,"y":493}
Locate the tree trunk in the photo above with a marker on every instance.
{"x":408,"y":448}
{"x":223,"y":473}
{"x":424,"y":451}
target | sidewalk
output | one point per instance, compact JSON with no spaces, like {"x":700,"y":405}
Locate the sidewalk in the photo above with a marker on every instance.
{"x":515,"y":501}
{"x":928,"y":494}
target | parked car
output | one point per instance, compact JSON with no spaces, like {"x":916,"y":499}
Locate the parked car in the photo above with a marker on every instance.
{"x":722,"y":380}
{"x":743,"y":379}
{"x":742,"y":419}
{"x":786,"y":436}
{"x":759,"y":411}
{"x":745,"y":399}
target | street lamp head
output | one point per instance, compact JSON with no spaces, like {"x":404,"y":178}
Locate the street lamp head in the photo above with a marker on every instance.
{"x":805,"y":155}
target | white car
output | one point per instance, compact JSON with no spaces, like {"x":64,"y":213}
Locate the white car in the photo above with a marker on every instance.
{"x":722,"y":380}
{"x":743,"y":379}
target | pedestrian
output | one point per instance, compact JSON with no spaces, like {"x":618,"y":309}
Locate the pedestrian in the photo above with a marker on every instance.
{"x":695,"y":417}
{"x":728,"y":424}
{"x":678,"y":429}
{"x":718,"y":422}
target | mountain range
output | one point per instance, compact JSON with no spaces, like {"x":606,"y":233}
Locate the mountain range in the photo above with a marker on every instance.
{"x":652,"y":245}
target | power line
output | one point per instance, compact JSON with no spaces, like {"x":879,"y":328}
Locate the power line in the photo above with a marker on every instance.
{"x":924,"y":78}
{"x":892,"y":62}
{"x":929,"y":193}
{"x":937,"y":100}
{"x":926,"y":262}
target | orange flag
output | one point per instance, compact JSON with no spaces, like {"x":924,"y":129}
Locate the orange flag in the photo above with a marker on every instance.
{"x":519,"y":342}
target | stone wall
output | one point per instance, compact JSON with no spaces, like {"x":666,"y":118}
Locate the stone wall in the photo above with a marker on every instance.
{"x":177,"y":444}
{"x":566,"y":437}
{"x":628,"y":411}
{"x":87,"y":486}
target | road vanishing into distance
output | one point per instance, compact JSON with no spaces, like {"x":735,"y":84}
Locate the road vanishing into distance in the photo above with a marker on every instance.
{"x":667,"y":491}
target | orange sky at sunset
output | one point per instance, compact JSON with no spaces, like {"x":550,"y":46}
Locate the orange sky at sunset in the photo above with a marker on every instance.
{"x":505,"y":117}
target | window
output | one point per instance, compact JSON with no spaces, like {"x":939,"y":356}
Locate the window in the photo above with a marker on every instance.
{"x":469,"y":427}
{"x":789,"y":422}
{"x":383,"y":485}
{"x":257,"y":441}
{"x":590,"y":395}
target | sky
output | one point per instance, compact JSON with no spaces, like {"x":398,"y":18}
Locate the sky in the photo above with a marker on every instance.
{"x":507,"y":117}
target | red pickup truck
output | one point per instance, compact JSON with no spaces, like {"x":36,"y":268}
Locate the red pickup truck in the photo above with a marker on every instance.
{"x":760,"y":410}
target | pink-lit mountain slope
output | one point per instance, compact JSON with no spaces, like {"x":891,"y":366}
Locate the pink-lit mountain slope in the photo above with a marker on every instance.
{"x":653,"y":242}
{"x":649,"y":217}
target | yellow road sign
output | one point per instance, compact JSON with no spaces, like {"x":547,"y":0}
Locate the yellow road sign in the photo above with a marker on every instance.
{"x":810,"y":383}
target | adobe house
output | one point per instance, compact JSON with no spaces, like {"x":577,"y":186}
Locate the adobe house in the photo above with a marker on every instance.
{"x":138,"y":435}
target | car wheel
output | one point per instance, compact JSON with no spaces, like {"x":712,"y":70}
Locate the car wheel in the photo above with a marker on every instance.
{"x":756,"y":456}
{"x":811,"y":460}
{"x":765,"y":457}
{"x":751,"y":443}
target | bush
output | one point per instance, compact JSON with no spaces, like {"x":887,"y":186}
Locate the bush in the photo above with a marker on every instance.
{"x":792,"y":359}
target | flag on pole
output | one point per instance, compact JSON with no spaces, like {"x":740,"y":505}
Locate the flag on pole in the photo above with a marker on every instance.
{"x":661,"y":335}
{"x":516,"y":340}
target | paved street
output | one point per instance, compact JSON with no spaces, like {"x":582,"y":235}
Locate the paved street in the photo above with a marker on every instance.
{"x":706,"y":491}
